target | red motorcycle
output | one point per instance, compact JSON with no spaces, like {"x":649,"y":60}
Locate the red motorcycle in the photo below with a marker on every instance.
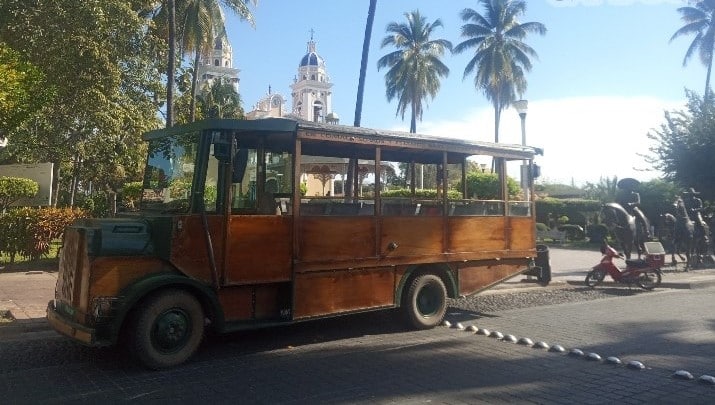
{"x":644,"y":272}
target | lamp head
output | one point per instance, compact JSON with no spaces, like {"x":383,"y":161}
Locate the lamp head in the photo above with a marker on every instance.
{"x":521,"y":106}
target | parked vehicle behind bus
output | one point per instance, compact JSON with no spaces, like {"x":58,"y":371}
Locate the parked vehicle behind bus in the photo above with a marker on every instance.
{"x":246,"y":224}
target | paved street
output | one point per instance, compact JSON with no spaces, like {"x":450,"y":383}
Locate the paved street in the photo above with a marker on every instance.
{"x":369,"y":358}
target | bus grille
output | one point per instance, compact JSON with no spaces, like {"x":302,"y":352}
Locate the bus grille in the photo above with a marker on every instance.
{"x":69,"y":277}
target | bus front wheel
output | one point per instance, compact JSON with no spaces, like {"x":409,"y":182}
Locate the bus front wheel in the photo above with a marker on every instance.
{"x":168,"y":329}
{"x":426,"y":302}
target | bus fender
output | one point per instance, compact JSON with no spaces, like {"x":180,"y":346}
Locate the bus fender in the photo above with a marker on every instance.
{"x":135,"y":292}
{"x":443,"y":270}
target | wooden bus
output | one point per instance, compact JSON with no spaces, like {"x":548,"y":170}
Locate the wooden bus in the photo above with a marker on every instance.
{"x":245,"y":224}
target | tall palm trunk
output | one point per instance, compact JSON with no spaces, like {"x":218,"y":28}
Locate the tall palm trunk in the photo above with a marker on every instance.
{"x":171,"y":68}
{"x":497,"y":117}
{"x":194,"y":85}
{"x":363,"y":62}
{"x":352,"y":164}
{"x":706,"y":95}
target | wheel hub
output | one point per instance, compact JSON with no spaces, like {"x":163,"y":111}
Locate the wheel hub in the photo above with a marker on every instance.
{"x":171,"y":331}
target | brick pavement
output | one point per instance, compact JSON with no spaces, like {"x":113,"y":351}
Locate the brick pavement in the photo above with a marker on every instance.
{"x":666,"y":330}
{"x":360,"y":359}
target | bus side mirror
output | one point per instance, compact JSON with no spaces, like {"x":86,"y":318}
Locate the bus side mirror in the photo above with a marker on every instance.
{"x":240,"y":161}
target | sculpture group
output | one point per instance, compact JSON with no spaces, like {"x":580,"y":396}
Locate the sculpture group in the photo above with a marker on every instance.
{"x":683,"y":232}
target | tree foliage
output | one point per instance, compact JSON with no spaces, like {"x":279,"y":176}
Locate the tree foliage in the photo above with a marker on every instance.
{"x":101,"y":61}
{"x":485,"y":186}
{"x":603,"y":191}
{"x":657,"y":198}
{"x":220,"y":100}
{"x":699,"y":22}
{"x":415,"y":68}
{"x":23,"y":89}
{"x":501,"y":57}
{"x":683,"y":147}
{"x":15,"y":188}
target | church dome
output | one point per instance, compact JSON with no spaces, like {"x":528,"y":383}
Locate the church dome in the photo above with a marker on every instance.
{"x":311,"y":58}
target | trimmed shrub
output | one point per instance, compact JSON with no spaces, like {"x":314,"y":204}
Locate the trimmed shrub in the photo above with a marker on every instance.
{"x":541,"y":227}
{"x":15,"y":188}
{"x":573,"y":232}
{"x":28,"y":232}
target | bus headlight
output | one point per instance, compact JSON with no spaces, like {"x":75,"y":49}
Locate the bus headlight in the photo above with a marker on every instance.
{"x":104,"y":307}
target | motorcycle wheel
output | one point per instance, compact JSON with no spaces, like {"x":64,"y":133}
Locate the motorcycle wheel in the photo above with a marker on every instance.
{"x":595,"y":277}
{"x":650,"y":280}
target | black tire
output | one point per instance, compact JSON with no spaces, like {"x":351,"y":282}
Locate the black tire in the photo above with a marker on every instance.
{"x":650,"y":280}
{"x":167,"y":329}
{"x":425,"y":303}
{"x":595,"y":277}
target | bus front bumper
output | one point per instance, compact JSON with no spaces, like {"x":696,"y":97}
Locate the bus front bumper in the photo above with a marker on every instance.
{"x":81,"y":333}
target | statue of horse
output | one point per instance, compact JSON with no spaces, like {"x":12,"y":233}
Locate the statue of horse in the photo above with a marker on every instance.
{"x":701,"y":242}
{"x":683,"y":233}
{"x":623,"y":226}
{"x":664,"y":230}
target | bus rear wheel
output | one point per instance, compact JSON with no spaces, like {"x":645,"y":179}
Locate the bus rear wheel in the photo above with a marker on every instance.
{"x":168,"y":329}
{"x":426,"y":302}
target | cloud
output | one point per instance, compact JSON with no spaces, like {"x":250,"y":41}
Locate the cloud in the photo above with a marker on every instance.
{"x":583,"y":138}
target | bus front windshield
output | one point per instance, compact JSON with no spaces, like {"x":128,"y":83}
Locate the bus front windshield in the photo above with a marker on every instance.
{"x":169,"y":172}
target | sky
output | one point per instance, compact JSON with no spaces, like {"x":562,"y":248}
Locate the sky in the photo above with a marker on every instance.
{"x":606,"y":72}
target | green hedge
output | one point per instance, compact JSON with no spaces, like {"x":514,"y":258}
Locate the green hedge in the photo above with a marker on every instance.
{"x":578,"y":211}
{"x":28,"y":232}
{"x":427,"y":194}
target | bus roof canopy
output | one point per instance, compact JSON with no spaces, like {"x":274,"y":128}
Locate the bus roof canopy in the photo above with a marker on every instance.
{"x":343,"y":133}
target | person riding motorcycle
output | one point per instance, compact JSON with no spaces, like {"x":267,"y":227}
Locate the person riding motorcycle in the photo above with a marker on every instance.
{"x":630,"y":200}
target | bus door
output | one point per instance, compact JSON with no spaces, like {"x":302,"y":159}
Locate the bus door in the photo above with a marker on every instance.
{"x":259,"y":234}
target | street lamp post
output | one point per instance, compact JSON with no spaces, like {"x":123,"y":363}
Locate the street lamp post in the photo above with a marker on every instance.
{"x":521,"y":107}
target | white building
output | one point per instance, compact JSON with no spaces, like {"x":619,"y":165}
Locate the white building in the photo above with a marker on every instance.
{"x":271,"y":105}
{"x":311,"y":90}
{"x":218,"y":64}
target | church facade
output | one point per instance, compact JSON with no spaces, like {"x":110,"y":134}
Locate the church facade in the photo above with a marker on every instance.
{"x":311,"y":91}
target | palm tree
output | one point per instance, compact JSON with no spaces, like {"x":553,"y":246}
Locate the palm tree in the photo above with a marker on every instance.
{"x":203,"y":22}
{"x":352,"y":163}
{"x":501,"y":58}
{"x":363,"y":61}
{"x":699,"y":20}
{"x":415,"y":67}
{"x":220,"y":100}
{"x":170,"y":67}
{"x":198,"y":23}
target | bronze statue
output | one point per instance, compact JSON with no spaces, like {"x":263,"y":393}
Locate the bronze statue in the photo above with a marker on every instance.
{"x":630,"y":200}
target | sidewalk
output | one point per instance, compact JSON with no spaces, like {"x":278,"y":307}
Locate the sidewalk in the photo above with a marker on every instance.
{"x":23,"y":302}
{"x":699,"y":278}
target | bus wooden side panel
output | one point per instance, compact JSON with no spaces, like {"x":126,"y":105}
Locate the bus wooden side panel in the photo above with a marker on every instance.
{"x":259,"y":249}
{"x":523,"y":233}
{"x":414,"y":236}
{"x":188,"y":245}
{"x":340,"y":291}
{"x":474,"y":234}
{"x":336,"y":238}
{"x":473,"y":279}
{"x":255,"y":302}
